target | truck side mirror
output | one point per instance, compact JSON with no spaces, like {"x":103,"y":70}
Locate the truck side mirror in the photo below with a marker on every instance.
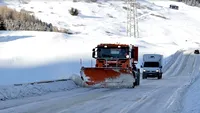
{"x":160,"y":66}
{"x":93,"y":53}
{"x":141,"y":66}
{"x":132,"y":53}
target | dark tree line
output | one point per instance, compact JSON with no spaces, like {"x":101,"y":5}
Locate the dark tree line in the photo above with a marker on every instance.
{"x":192,"y":2}
{"x":2,"y":26}
{"x":12,"y":20}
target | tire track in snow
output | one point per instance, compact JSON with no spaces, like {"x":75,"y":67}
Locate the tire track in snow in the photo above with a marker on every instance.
{"x":63,"y":103}
{"x":79,"y":91}
{"x":142,"y":100}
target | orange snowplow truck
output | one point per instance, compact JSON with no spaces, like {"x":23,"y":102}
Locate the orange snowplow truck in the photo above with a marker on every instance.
{"x":115,"y":66}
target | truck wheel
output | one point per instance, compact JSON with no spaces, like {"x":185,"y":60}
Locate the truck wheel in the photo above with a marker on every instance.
{"x":138,"y":79}
{"x":133,"y":85}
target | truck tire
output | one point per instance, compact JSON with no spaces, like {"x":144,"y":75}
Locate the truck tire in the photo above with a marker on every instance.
{"x":136,"y":82}
{"x":133,"y":85}
{"x":138,"y":79}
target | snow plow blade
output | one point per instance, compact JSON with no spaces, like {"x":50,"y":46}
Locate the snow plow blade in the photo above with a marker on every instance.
{"x":107,"y":77}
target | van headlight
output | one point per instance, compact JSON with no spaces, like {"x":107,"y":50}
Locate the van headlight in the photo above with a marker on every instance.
{"x":157,"y":70}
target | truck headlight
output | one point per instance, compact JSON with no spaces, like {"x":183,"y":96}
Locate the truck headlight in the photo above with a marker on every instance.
{"x":144,"y":70}
{"x":157,"y":70}
{"x":127,"y":56}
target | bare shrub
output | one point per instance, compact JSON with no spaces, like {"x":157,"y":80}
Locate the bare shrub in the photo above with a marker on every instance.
{"x":2,"y":25}
{"x":74,"y":11}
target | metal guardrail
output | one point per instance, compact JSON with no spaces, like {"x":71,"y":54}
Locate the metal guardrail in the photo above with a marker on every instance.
{"x":41,"y":82}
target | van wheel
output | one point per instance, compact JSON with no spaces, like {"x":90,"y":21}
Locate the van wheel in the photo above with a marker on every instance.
{"x":160,"y":76}
{"x":144,"y":77}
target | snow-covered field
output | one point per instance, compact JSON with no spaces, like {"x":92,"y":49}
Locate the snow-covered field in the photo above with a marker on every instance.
{"x":29,"y":56}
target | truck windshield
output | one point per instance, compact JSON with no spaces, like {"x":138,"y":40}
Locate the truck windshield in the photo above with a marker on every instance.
{"x":151,"y":64}
{"x":112,"y":52}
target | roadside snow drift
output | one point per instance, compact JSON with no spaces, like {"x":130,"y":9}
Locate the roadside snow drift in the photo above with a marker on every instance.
{"x":28,"y":90}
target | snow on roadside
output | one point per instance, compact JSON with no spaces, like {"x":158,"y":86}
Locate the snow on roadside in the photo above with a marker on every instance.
{"x":29,"y":90}
{"x":191,"y":98}
{"x":177,"y":103}
{"x":169,"y":61}
{"x":190,"y":102}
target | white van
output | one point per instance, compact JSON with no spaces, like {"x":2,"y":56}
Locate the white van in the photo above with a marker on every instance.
{"x":152,"y":66}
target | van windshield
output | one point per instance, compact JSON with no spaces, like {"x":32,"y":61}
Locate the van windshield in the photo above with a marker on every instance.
{"x":151,"y":64}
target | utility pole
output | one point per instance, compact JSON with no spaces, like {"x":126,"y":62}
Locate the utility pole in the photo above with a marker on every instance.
{"x":132,"y":21}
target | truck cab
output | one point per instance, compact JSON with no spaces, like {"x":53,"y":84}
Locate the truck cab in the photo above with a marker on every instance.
{"x":152,"y":66}
{"x":115,"y":55}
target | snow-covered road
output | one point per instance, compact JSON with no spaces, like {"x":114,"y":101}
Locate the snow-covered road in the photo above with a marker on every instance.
{"x":152,"y":96}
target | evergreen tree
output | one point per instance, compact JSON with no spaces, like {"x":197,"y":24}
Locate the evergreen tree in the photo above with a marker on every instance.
{"x":2,"y":25}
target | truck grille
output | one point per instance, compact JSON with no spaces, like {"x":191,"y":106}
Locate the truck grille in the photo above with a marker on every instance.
{"x":113,"y":65}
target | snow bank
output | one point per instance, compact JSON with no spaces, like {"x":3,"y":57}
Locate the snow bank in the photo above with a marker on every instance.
{"x":174,"y":104}
{"x":190,"y":102}
{"x":186,"y":98}
{"x":28,"y":90}
{"x":169,"y":61}
{"x":177,"y":103}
